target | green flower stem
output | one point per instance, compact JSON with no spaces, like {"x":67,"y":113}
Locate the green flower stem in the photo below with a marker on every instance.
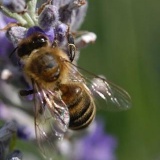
{"x":32,"y":10}
{"x":29,"y":20}
{"x":16,"y":16}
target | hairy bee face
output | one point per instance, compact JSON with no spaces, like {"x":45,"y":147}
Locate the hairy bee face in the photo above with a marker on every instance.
{"x":43,"y":65}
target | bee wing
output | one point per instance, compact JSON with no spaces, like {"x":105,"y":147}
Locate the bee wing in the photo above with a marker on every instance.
{"x":51,"y":119}
{"x":115,"y":97}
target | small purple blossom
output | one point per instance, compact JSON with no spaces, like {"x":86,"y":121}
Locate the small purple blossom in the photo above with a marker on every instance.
{"x":23,"y":132}
{"x":15,"y":5}
{"x":49,"y":17}
{"x":3,"y":39}
{"x":22,"y":122}
{"x":7,"y":131}
{"x":61,"y":31}
{"x":35,"y":29}
{"x":7,"y":136}
{"x":16,"y":34}
{"x":97,"y":145}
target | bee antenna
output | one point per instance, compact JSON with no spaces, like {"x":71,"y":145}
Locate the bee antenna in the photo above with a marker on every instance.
{"x":13,"y":52}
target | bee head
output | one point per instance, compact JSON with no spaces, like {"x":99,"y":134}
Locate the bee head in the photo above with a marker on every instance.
{"x":34,"y":41}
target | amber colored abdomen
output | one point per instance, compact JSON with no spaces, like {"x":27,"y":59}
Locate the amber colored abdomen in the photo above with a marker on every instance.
{"x":80,"y":105}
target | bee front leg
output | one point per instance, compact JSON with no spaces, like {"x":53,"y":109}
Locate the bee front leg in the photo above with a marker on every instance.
{"x":71,"y":47}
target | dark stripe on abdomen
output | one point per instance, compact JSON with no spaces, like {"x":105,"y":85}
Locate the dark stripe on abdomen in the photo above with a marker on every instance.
{"x":82,"y":113}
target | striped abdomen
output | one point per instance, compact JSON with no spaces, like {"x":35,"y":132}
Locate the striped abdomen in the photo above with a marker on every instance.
{"x":81,"y":106}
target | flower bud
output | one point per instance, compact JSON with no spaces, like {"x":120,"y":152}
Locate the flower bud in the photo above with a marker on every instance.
{"x":7,"y":131}
{"x":49,"y":17}
{"x":61,"y":30}
{"x":16,"y":34}
{"x":15,"y":5}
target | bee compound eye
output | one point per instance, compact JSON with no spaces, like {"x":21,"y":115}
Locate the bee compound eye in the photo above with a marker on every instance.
{"x":27,"y":48}
{"x":39,"y":40}
{"x":23,"y":50}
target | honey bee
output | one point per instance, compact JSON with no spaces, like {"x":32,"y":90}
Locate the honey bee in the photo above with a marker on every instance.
{"x":62,"y":95}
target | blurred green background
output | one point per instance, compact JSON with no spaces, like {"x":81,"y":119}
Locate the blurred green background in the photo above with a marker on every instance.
{"x":127,"y":52}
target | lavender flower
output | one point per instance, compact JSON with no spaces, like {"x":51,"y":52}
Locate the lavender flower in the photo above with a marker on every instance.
{"x":97,"y":145}
{"x":48,"y":17}
{"x":3,"y":39}
{"x":7,"y":136}
{"x":15,"y":5}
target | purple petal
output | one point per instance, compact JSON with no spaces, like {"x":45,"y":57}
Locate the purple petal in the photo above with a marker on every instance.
{"x":34,"y":29}
{"x":49,"y":17}
{"x":96,"y":145}
{"x":49,"y":33}
{"x":7,"y":46}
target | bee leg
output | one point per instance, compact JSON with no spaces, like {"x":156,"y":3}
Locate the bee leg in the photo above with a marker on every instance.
{"x":71,"y":47}
{"x":26,"y":92}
